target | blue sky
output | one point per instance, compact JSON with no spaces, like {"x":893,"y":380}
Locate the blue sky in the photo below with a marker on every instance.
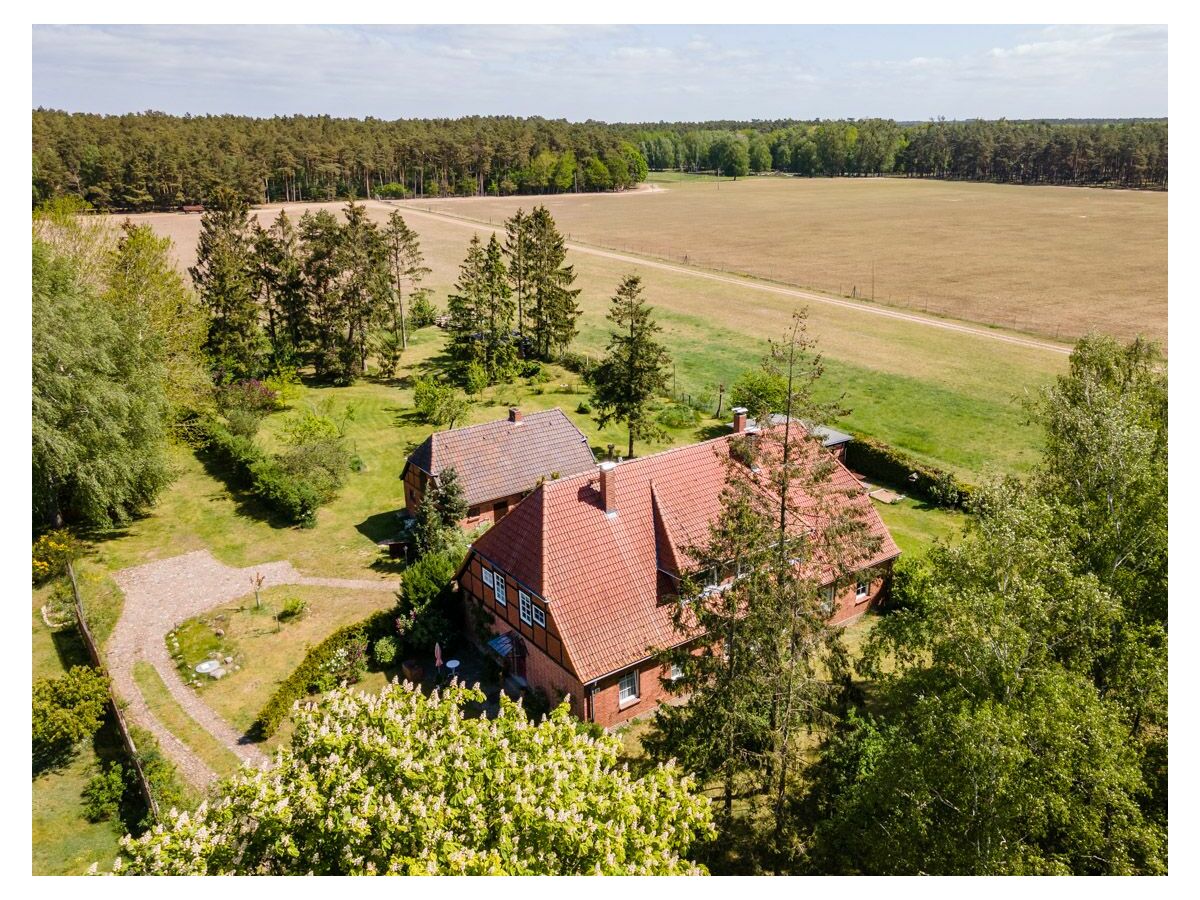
{"x":608,"y":72}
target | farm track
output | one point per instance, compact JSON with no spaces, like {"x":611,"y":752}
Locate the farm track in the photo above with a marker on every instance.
{"x":757,"y":285}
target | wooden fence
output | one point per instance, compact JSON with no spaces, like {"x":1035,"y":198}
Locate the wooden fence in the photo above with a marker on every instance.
{"x":98,"y":662}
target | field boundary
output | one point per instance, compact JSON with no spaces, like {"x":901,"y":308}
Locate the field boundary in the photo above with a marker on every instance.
{"x":758,"y":284}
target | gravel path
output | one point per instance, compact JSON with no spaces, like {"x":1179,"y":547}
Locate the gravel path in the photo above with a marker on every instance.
{"x":158,"y":597}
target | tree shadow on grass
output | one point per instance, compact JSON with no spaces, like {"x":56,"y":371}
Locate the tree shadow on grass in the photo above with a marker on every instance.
{"x":245,"y":502}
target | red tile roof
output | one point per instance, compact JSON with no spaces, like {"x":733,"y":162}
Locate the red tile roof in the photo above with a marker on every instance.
{"x":502,"y":458}
{"x":599,"y":573}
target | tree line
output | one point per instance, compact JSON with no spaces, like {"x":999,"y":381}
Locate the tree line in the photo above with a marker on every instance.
{"x":1124,"y":153}
{"x":141,"y":161}
{"x":151,"y":160}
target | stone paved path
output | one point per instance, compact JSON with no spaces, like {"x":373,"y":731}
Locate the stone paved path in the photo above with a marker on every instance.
{"x":158,"y":597}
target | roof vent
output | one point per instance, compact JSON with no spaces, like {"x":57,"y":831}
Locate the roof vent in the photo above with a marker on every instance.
{"x":514,"y":414}
{"x":608,"y":487}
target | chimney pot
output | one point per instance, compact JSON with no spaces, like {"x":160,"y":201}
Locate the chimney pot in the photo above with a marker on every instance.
{"x":739,"y":419}
{"x":514,"y":414}
{"x":608,"y":487}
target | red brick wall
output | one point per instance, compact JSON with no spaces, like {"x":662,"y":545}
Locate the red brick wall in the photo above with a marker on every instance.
{"x":848,"y":606}
{"x":607,"y":708}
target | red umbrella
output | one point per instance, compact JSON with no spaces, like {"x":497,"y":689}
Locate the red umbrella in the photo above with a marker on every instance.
{"x":437,"y":655}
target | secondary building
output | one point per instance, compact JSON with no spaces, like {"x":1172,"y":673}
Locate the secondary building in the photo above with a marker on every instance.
{"x":498,"y":462}
{"x":577,"y":582}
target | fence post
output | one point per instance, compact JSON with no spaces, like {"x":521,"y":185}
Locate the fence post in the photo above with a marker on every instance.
{"x":98,"y":662}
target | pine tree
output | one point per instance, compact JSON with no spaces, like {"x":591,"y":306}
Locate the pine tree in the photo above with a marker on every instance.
{"x":553,"y":310}
{"x":224,"y":279}
{"x":407,"y":269}
{"x":635,"y":370}
{"x":362,"y":257}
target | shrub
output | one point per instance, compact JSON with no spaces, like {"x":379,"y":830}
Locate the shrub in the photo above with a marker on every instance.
{"x":678,"y":415}
{"x":529,"y":368}
{"x":323,"y":667}
{"x":421,"y":311}
{"x":292,"y":608}
{"x":103,"y":793}
{"x":252,"y":396}
{"x":574,"y":361}
{"x":243,"y":422}
{"x":51,"y":553}
{"x":67,"y":710}
{"x":475,"y":379}
{"x":878,"y":460}
{"x":421,"y":619}
{"x":262,"y":475}
{"x":392,"y":191}
{"x":436,"y":403}
{"x":385,"y":651}
{"x":583,"y":408}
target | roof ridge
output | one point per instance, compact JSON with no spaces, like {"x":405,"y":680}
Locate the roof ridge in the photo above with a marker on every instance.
{"x":641,"y":459}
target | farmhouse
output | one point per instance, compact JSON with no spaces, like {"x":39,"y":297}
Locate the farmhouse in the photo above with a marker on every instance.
{"x":577,"y":583}
{"x":498,"y":462}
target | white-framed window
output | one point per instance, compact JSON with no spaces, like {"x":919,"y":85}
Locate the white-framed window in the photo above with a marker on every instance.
{"x":526,"y":608}
{"x":628,"y":688}
{"x":676,"y":672}
{"x":501,"y":595}
{"x":487,"y":577}
{"x":861,"y":588}
{"x":827,"y":602}
{"x":539,"y":616}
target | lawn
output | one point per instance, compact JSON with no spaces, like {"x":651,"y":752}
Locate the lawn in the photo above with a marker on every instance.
{"x":173,"y":716}
{"x":268,"y":651}
{"x":915,"y":525}
{"x":64,"y":841}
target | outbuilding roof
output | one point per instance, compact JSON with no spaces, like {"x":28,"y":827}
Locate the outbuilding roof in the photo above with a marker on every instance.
{"x":508,"y":456}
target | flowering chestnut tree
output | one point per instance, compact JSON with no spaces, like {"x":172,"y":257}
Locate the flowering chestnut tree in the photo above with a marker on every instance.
{"x":405,"y":783}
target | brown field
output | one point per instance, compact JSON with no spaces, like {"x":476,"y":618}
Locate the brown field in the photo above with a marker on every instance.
{"x":1052,"y":261}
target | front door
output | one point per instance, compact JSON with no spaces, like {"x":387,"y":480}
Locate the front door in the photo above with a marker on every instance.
{"x":500,"y":510}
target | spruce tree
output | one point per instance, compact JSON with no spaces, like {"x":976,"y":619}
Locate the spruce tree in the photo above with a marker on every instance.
{"x":553,"y":310}
{"x":280,"y":287}
{"x":466,"y":308}
{"x":635,"y":371}
{"x":516,"y":251}
{"x":224,"y":279}
{"x":500,"y":354}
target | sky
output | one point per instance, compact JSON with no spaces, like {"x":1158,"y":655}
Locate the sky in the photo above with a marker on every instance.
{"x":615,"y":73}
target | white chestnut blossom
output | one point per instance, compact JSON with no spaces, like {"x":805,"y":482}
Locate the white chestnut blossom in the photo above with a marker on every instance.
{"x":405,"y":783}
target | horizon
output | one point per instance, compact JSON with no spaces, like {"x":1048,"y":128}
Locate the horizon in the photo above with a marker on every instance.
{"x":611,"y":74}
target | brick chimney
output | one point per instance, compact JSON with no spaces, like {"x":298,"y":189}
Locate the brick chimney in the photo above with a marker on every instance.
{"x":739,"y":419}
{"x":514,"y":414}
{"x":608,"y":487}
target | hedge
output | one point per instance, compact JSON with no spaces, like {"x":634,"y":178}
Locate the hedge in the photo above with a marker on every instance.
{"x":262,"y":475}
{"x":310,"y":676}
{"x":876,"y":459}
